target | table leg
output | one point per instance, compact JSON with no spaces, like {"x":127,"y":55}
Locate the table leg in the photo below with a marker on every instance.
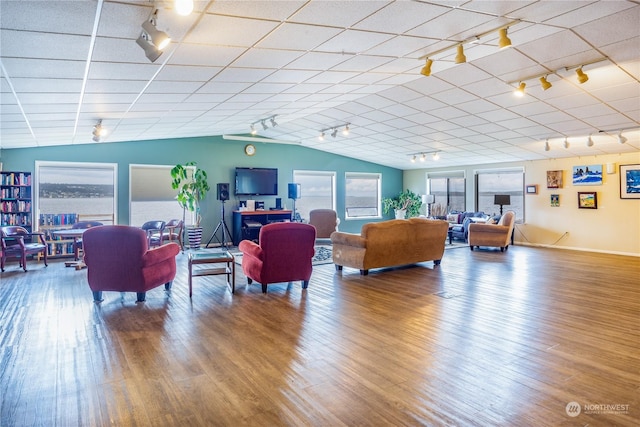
{"x":190,"y":277}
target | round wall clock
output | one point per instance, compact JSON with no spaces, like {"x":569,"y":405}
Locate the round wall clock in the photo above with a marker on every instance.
{"x":249,"y":150}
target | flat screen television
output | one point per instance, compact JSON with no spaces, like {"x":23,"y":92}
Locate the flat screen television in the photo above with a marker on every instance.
{"x":256,"y":182}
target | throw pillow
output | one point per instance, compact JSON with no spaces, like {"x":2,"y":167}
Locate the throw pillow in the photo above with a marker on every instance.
{"x":452,"y":218}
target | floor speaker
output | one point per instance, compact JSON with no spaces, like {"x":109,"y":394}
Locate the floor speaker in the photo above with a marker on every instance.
{"x":294,"y":190}
{"x":223,"y":191}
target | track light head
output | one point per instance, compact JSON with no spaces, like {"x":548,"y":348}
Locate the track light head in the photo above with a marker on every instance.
{"x":544,"y":83}
{"x":582,"y":77}
{"x":413,"y":159}
{"x":426,"y":70}
{"x":183,"y":7}
{"x":504,"y":41}
{"x":460,"y":58}
{"x":98,"y":131}
{"x":160,"y":39}
{"x":621,"y":139}
{"x":520,"y":90}
{"x":253,"y":130}
{"x":436,"y":156}
{"x":273,"y":122}
{"x":423,"y":157}
{"x":566,"y":142}
{"x":264,"y":124}
{"x":590,"y":142}
{"x":345,"y":131}
{"x":547,"y":147}
{"x":321,"y":136}
{"x":150,"y":51}
{"x":334,"y":132}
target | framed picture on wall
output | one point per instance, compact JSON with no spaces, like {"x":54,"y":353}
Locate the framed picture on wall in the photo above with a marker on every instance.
{"x":630,"y":181}
{"x":555,"y":200}
{"x":587,"y":200}
{"x":554,"y":179}
{"x":532,"y":189}
{"x":587,"y":175}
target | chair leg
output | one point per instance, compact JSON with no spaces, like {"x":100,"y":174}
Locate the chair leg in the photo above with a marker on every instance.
{"x":141,"y":296}
{"x":305,"y":284}
{"x":437,"y":262}
{"x":364,"y":272}
{"x":264,"y":288}
{"x":167,"y":286}
{"x":97,"y":297}
{"x":249,"y":280}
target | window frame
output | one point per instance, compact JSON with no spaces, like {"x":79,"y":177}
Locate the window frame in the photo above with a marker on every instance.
{"x":520,"y":171}
{"x":361,"y":175}
{"x":331,"y":174}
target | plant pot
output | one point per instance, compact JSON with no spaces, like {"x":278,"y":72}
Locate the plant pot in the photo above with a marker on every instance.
{"x":401,"y":213}
{"x":194,"y":235}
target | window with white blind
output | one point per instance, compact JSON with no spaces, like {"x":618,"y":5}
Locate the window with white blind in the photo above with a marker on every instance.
{"x":362,"y":195}
{"x":492,"y":182}
{"x":318,"y":191}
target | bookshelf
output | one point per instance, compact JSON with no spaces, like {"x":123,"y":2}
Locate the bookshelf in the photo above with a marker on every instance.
{"x":57,"y":246}
{"x":15,"y":199}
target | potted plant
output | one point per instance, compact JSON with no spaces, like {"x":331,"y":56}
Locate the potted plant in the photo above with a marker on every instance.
{"x":406,"y":204}
{"x":191,"y":183}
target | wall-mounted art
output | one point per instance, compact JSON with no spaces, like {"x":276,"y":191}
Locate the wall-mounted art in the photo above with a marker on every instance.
{"x":554,"y":179}
{"x":587,"y":175}
{"x":588,"y":200}
{"x":555,"y":200}
{"x":630,"y":181}
{"x":532,"y":189}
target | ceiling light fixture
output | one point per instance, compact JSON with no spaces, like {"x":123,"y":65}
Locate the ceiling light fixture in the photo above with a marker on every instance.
{"x":590,"y":142}
{"x":160,"y":39}
{"x":422,"y":156}
{"x":621,"y":139}
{"x":547,"y":147}
{"x":413,"y":159}
{"x":253,"y":129}
{"x":345,"y":131}
{"x":435,"y":156}
{"x":150,"y":51}
{"x":460,"y":58}
{"x":426,"y":70}
{"x":263,"y":123}
{"x":520,"y":90}
{"x":582,"y":77}
{"x":321,"y":137}
{"x":566,"y":142}
{"x":545,"y":83}
{"x":333,"y":130}
{"x":504,"y":41}
{"x":273,"y":121}
{"x":98,"y":131}
{"x":183,"y":7}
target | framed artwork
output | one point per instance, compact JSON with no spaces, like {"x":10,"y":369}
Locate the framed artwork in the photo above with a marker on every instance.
{"x":587,"y":200}
{"x":555,"y":200}
{"x":587,"y":175}
{"x":554,"y":179}
{"x":630,"y":181}
{"x":532,"y":189}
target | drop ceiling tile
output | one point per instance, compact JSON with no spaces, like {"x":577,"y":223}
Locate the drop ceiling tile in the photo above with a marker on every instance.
{"x":298,"y":37}
{"x":230,"y":31}
{"x":32,"y":45}
{"x":202,"y":55}
{"x":187,"y":73}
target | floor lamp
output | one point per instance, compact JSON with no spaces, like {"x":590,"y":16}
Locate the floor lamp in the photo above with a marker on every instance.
{"x":428,"y":199}
{"x":501,"y":199}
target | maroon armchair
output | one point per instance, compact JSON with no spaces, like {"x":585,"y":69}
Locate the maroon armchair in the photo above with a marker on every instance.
{"x":17,"y":242}
{"x":118,"y":259}
{"x":283,"y":255}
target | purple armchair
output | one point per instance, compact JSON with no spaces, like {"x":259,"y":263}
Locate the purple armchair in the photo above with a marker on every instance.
{"x":17,"y":242}
{"x":118,"y":259}
{"x":283,"y":255}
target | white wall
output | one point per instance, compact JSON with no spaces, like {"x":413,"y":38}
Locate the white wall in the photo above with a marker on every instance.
{"x":612,"y":228}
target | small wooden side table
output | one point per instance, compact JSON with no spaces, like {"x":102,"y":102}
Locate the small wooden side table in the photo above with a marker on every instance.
{"x":203,"y":256}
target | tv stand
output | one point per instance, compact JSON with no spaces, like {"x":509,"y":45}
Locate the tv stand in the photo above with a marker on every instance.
{"x":247,"y":224}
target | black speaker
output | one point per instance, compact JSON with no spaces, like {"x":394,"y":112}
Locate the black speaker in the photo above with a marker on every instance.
{"x":294,"y":190}
{"x":223,"y":191}
{"x":278,"y":203}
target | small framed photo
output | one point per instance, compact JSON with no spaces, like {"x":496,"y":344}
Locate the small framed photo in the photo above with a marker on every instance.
{"x":555,"y":200}
{"x":532,"y":189}
{"x":554,"y":179}
{"x":630,"y":181}
{"x":587,"y":200}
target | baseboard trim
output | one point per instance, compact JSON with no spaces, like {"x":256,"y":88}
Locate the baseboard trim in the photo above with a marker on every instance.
{"x":571,"y":248}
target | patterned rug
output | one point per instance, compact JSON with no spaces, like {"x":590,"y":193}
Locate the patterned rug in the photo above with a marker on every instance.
{"x":323,"y":255}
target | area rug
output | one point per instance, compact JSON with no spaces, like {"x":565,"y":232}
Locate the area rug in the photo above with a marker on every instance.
{"x":455,"y":245}
{"x":323,"y":255}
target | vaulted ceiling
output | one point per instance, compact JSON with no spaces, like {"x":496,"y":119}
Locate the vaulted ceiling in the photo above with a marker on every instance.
{"x":322,"y":64}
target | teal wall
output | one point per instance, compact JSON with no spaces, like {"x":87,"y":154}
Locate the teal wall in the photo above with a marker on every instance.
{"x":218,"y":157}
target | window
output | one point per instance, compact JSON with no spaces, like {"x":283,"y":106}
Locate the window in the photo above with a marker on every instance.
{"x":151,"y":195}
{"x":318,"y":190}
{"x":500,"y":181}
{"x":362,"y":195}
{"x":448,"y":189}
{"x":87,"y":190}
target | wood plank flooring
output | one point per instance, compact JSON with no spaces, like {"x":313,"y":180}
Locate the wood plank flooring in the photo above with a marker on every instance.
{"x":485,"y":339}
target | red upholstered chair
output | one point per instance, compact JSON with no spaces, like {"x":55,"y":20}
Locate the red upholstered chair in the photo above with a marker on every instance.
{"x":118,"y":259}
{"x":17,"y":242}
{"x":283,"y":255}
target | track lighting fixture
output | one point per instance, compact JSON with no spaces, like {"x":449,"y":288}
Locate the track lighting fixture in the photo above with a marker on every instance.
{"x":544,"y":83}
{"x":566,"y":142}
{"x":423,"y":156}
{"x":460,"y":58}
{"x":547,"y":147}
{"x":621,"y":139}
{"x":334,"y":131}
{"x":426,"y":70}
{"x":582,"y":77}
{"x":590,"y":142}
{"x":520,"y":91}
{"x":183,"y":7}
{"x":98,"y":131}
{"x":152,"y":40}
{"x":504,"y":40}
{"x":263,"y":123}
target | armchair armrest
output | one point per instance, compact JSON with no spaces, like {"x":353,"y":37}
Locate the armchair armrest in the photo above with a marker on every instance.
{"x":488,"y":228}
{"x":250,"y":248}
{"x":348,"y":239}
{"x":160,"y":254}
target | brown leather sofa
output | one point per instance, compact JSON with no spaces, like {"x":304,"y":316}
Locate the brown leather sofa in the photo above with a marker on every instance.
{"x":390,"y":243}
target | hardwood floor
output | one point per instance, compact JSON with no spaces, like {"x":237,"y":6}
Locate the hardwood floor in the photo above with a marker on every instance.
{"x":487,"y":339}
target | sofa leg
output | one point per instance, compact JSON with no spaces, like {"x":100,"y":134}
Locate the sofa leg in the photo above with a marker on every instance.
{"x":501,"y":248}
{"x":364,"y":272}
{"x":264,"y":288}
{"x":249,"y":280}
{"x":471,"y":247}
{"x":141,"y":296}
{"x":437,"y":262}
{"x":305,"y":284}
{"x":97,"y":297}
{"x":338,"y":267}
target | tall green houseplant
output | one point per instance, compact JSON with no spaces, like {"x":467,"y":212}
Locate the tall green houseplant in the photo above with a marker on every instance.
{"x":407,"y":200}
{"x":191,"y":183}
